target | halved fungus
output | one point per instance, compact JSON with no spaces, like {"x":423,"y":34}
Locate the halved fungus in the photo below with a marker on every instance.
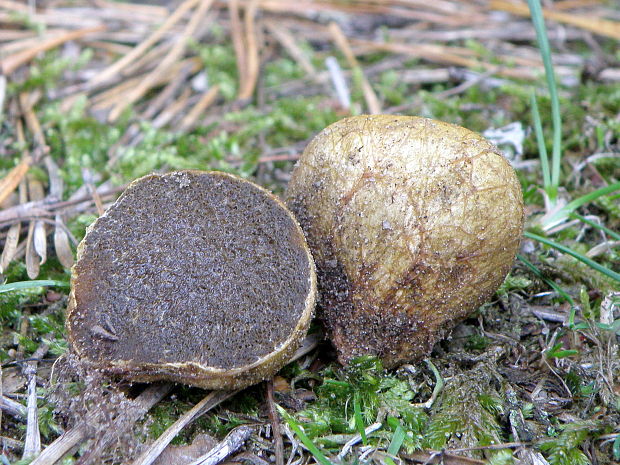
{"x":413,"y":224}
{"x":196,"y":277}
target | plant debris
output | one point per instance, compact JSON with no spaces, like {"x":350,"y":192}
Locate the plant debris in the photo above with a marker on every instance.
{"x":96,"y":94}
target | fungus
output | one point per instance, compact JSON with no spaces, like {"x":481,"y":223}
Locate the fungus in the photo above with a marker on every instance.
{"x":196,"y":277}
{"x":413,"y":224}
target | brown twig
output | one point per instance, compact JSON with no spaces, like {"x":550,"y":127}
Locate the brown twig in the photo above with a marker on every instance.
{"x":275,"y":424}
{"x":210,"y":401}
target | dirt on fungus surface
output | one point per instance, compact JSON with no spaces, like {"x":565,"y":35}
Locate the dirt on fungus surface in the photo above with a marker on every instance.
{"x":413,"y":223}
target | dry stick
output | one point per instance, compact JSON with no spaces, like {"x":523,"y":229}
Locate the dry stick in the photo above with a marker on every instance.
{"x":15,"y":409}
{"x":112,"y":70}
{"x":78,"y":434}
{"x":11,"y":63}
{"x":252,"y":60}
{"x":236,"y":33}
{"x":285,"y":38}
{"x":46,"y":207}
{"x":212,"y":399}
{"x":600,"y":26}
{"x":233,"y":441}
{"x":372,"y":102}
{"x":164,"y":66}
{"x":275,"y":425}
{"x":32,"y":444}
{"x":205,"y":101}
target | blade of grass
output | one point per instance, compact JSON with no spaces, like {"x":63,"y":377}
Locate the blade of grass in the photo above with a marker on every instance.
{"x":359,"y":421}
{"x":397,"y":441}
{"x":540,"y":139}
{"x":591,"y":263}
{"x":561,"y":214}
{"x":600,"y":227}
{"x":534,"y":269}
{"x":545,"y":52}
{"x":306,"y":441}
{"x":30,"y":284}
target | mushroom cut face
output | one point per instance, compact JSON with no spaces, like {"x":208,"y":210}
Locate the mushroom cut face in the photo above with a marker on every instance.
{"x":196,"y":277}
{"x":413,"y":224}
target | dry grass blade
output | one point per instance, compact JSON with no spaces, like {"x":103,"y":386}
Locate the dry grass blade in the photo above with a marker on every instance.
{"x":600,"y":26}
{"x":164,"y":66}
{"x":113,"y":70}
{"x":12,"y":62}
{"x":372,"y":102}
{"x":205,"y":101}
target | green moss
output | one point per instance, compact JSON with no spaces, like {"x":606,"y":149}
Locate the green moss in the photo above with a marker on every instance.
{"x":468,"y":413}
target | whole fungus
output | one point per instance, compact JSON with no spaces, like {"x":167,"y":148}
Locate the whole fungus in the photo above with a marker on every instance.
{"x":196,"y":277}
{"x":413,"y":224}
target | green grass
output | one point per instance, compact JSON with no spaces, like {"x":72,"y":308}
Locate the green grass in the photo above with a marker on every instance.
{"x":350,"y":399}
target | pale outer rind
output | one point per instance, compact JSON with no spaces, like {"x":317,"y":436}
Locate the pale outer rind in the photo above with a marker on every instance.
{"x":413,"y":223}
{"x":190,"y":372}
